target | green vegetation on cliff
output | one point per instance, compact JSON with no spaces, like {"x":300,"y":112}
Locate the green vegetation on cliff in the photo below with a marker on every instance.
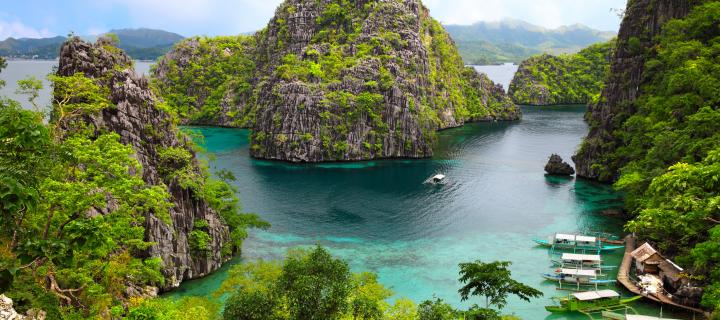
{"x":334,"y":80}
{"x":667,"y":142}
{"x":77,"y":209}
{"x":205,"y":79}
{"x":565,"y":79}
{"x":673,"y":147}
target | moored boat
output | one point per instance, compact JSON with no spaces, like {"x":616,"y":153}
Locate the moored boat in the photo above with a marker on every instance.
{"x":581,"y":261}
{"x":591,"y":301}
{"x":576,"y":243}
{"x":578,"y":277}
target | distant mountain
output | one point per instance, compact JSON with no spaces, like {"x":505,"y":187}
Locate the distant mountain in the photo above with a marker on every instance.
{"x":142,"y":44}
{"x":46,"y":48}
{"x":513,"y":40}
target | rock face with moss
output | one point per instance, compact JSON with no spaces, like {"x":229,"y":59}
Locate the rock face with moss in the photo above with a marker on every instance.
{"x":339,"y":80}
{"x":566,"y":79}
{"x":163,"y":152}
{"x":642,"y":23}
{"x":208,"y":80}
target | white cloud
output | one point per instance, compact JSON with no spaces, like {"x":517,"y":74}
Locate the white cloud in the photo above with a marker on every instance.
{"x":95,"y":31}
{"x":17,"y":29}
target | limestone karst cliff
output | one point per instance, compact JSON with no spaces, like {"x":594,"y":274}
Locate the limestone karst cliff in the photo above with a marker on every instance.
{"x":642,"y":23}
{"x":565,"y":79}
{"x":337,"y":80}
{"x":135,"y":115}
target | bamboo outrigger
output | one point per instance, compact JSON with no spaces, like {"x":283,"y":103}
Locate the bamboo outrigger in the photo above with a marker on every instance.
{"x":589,"y":302}
{"x":579,"y":277}
{"x":581,"y":261}
{"x":576,"y":243}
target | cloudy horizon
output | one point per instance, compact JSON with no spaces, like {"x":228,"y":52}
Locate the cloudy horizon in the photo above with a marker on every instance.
{"x":47,"y":18}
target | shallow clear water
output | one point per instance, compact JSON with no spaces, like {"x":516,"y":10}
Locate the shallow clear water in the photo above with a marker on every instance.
{"x":379,"y":216}
{"x":21,"y":69}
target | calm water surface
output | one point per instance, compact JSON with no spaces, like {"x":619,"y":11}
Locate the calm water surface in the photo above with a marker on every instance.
{"x":380,"y":217}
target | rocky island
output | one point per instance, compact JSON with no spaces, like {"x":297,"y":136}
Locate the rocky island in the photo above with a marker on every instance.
{"x":566,"y":79}
{"x":165,"y":155}
{"x":336,"y":81}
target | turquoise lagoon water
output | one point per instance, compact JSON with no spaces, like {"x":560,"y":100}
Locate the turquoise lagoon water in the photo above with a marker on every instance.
{"x":381,"y":217}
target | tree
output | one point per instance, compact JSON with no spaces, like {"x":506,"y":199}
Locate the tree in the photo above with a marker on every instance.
{"x":403,"y":309}
{"x":436,"y":310}
{"x":24,"y":162}
{"x":3,"y":65}
{"x":494,"y":282}
{"x":367,"y":301}
{"x":253,"y":305}
{"x":30,"y":87}
{"x":75,"y":96}
{"x":317,"y":285}
{"x":189,"y":308}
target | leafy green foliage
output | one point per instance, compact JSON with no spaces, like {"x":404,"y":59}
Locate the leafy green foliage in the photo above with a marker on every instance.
{"x":567,"y":79}
{"x":437,"y":310}
{"x":684,"y":205}
{"x":668,"y":146}
{"x":191,"y":308}
{"x":493,"y":281}
{"x":196,"y":80}
{"x":317,"y":285}
{"x":74,"y":97}
{"x":3,"y":65}
{"x":309,"y":284}
{"x":30,"y":87}
{"x":74,"y":203}
{"x":199,"y":241}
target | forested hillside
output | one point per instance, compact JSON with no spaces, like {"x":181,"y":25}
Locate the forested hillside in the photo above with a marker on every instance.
{"x":511,"y":40}
{"x":655,"y":132}
{"x":565,"y":79}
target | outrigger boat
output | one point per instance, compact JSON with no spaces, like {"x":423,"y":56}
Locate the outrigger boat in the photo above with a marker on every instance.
{"x":591,"y":301}
{"x":581,"y":261}
{"x":576,"y":243}
{"x":578,"y":277}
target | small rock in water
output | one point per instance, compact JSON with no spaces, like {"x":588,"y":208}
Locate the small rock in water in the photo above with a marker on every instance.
{"x":556,"y":166}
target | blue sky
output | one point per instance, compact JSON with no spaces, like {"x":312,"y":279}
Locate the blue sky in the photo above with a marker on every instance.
{"x":41,"y":18}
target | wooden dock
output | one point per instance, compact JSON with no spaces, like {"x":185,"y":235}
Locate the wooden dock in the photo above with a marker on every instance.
{"x":624,"y":278}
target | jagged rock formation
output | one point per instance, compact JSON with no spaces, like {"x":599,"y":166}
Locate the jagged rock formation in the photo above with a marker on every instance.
{"x":208,"y":80}
{"x":355,"y":80}
{"x":643,"y":21}
{"x":141,"y":123}
{"x":567,"y":79}
{"x":7,"y":312}
{"x":556,"y":166}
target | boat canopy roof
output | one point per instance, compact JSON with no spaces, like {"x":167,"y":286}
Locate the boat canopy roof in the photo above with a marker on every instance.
{"x":594,"y":295}
{"x":585,"y":239}
{"x":561,"y":236}
{"x":578,"y":272}
{"x":580,"y":257}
